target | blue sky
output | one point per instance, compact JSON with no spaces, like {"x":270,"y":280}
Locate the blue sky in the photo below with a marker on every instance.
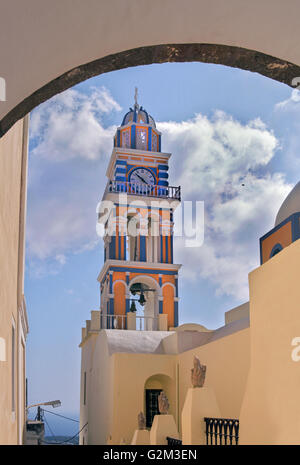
{"x":225,"y":127}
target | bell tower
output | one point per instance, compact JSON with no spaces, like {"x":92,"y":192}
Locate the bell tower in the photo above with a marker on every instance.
{"x":137,"y":215}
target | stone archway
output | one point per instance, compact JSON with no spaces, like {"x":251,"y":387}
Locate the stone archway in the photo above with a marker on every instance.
{"x":51,"y":47}
{"x":237,"y":57}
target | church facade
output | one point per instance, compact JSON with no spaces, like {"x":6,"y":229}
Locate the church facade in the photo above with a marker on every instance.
{"x":133,"y":347}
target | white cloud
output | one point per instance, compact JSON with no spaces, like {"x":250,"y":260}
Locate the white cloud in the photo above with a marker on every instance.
{"x":61,"y":259}
{"x":69,"y":126}
{"x":291,"y":101}
{"x":225,"y":164}
{"x":218,"y":160}
{"x":71,"y":148}
{"x":286,"y":120}
{"x":63,"y":223}
{"x":211,"y":151}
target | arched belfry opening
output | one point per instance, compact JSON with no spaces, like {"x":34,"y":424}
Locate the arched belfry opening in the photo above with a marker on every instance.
{"x":144,"y":300}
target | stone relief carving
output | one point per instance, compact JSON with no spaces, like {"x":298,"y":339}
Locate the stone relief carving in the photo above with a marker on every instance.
{"x":163,"y":403}
{"x":198,"y":373}
{"x":141,"y":421}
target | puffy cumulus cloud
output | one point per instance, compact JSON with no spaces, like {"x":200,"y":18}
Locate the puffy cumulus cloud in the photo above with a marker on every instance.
{"x":211,"y":151}
{"x":70,"y":151}
{"x":63,"y":223}
{"x":255,"y":201}
{"x":225,"y":163}
{"x":286,"y":121}
{"x":218,"y":160}
{"x":69,"y":126}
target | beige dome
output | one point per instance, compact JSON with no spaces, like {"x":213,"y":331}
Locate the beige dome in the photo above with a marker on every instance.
{"x":290,"y":205}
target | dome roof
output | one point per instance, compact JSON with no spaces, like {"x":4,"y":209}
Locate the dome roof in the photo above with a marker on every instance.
{"x":138,"y":114}
{"x":290,"y":205}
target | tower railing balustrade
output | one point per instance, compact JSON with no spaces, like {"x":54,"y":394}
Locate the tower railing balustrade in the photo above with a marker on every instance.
{"x":135,"y":188}
{"x":138,"y":322}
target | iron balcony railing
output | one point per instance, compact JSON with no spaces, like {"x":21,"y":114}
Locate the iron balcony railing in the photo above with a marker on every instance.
{"x":135,"y":188}
{"x":173,"y":442}
{"x":222,"y":431}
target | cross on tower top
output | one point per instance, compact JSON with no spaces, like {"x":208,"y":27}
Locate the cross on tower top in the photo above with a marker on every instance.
{"x":136,"y":97}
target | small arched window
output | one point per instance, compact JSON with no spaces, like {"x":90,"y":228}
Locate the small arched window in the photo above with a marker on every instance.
{"x":141,"y":138}
{"x":276,"y":249}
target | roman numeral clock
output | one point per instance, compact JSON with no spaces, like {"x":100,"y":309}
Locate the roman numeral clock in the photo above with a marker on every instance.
{"x":142,"y":175}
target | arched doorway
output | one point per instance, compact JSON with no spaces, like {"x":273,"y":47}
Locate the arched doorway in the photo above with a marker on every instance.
{"x":153,"y":387}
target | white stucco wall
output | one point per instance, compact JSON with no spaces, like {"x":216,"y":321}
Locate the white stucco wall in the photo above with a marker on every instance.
{"x":13,"y":178}
{"x":46,"y":39}
{"x":119,"y":364}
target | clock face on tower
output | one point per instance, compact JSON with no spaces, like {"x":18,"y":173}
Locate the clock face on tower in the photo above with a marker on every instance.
{"x":142,"y":176}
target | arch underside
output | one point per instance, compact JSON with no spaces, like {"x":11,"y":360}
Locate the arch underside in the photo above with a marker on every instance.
{"x":147,"y":280}
{"x":151,"y":309}
{"x":237,"y":57}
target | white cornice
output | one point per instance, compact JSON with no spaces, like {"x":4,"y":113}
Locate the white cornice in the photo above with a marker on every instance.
{"x":130,"y":264}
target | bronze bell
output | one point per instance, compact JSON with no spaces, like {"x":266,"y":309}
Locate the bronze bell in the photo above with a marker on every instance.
{"x":133,"y":307}
{"x":142,"y":299}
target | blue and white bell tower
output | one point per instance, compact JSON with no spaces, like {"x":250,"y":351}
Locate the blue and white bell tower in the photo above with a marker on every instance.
{"x":138,"y":243}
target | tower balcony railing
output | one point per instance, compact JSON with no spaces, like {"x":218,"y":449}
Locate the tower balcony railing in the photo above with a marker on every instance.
{"x":135,"y":188}
{"x":129,"y":321}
